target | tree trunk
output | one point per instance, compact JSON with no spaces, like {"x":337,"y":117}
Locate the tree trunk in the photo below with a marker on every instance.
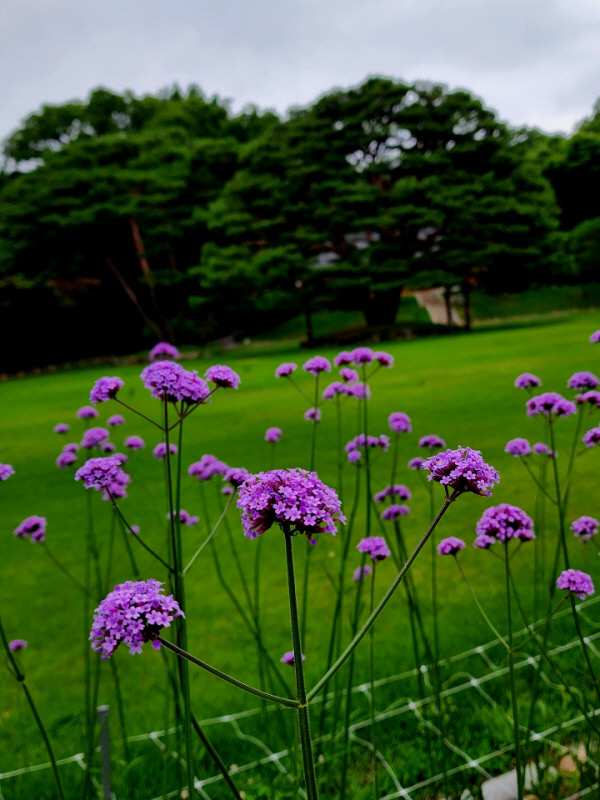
{"x":382,"y":307}
{"x":147,"y":273}
{"x":132,"y":296}
{"x":466,"y":289}
{"x":308,"y":327}
{"x":448,"y":304}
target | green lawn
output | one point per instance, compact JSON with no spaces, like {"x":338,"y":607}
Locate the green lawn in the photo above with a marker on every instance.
{"x":460,"y":387}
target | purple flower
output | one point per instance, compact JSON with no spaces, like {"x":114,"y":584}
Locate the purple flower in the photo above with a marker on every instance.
{"x":163,"y":350}
{"x":185,"y":518}
{"x":228,"y":490}
{"x":236,"y":476}
{"x":6,"y":471}
{"x":87,"y":412}
{"x":527,"y":381}
{"x":134,"y":443}
{"x":399,"y":422}
{"x":463,"y":470}
{"x":359,"y":390}
{"x":171,"y":380}
{"x":32,"y":527}
{"x":105,"y":389}
{"x":593,"y":398}
{"x":93,"y":437}
{"x":349,"y":375}
{"x":295,"y":499}
{"x":160,"y":451}
{"x":375,"y":547}
{"x":115,"y":419}
{"x":285,"y":370}
{"x":397,"y":490}
{"x":550,"y":404}
{"x":592,"y":437}
{"x":313,"y":415}
{"x":223,"y":376}
{"x":208,"y":466}
{"x":17,"y":645}
{"x":432,"y":441}
{"x":583,"y":381}
{"x":385,"y":359}
{"x":65,"y":459}
{"x":450,"y":546}
{"x":417,"y":463}
{"x":121,"y":458}
{"x":101,"y":473}
{"x":289,"y":658}
{"x":107,"y":447}
{"x":273,"y":434}
{"x":505,"y":522}
{"x":595,"y":337}
{"x":576,"y":581}
{"x":62,"y":427}
{"x":360,"y":572}
{"x":135,"y":529}
{"x":334,"y":389}
{"x":134,"y":612}
{"x":484,"y":542}
{"x":354,"y":456}
{"x":72,"y":447}
{"x":317,"y":365}
{"x":343,"y":358}
{"x":518,"y":447}
{"x":394,"y":511}
{"x":362,"y":355}
{"x":541,"y":449}
{"x":585,"y":528}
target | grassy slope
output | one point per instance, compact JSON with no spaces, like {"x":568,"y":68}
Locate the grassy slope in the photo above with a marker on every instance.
{"x":459,"y":387}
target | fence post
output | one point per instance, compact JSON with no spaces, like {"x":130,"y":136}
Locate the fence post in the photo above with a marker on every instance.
{"x":105,"y":752}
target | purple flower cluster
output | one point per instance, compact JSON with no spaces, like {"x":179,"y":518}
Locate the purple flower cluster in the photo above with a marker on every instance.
{"x":527,"y":381}
{"x":163,"y":350}
{"x":171,"y":380}
{"x":273,"y":434}
{"x":463,"y":470}
{"x":394,"y":511}
{"x":236,"y":476}
{"x":450,"y":546}
{"x":134,"y":612}
{"x":344,"y":358}
{"x":335,"y":389}
{"x":316,"y":365}
{"x":502,"y":523}
{"x":576,"y":581}
{"x":294,"y":499}
{"x":285,"y":370}
{"x":397,"y":490}
{"x":289,"y":658}
{"x":363,"y":356}
{"x":185,"y":518}
{"x":375,"y":547}
{"x":592,"y":437}
{"x":33,"y":528}
{"x":518,"y":447}
{"x":583,"y":381}
{"x":399,"y":422}
{"x":134,"y":443}
{"x":102,"y":474}
{"x":105,"y":389}
{"x":361,"y":441}
{"x":65,"y":459}
{"x":115,"y":419}
{"x":595,"y":337}
{"x":86,"y":412}
{"x":160,"y":451}
{"x":542,"y":449}
{"x":93,"y":437}
{"x":349,"y":375}
{"x":107,"y":447}
{"x":550,"y":404}
{"x":6,"y":471}
{"x":17,"y":645}
{"x":585,"y":528}
{"x":223,"y":376}
{"x":360,"y":572}
{"x":359,"y":390}
{"x":62,"y":427}
{"x":313,"y":415}
{"x":417,"y":463}
{"x":207,"y":467}
{"x":593,"y":398}
{"x":432,"y":442}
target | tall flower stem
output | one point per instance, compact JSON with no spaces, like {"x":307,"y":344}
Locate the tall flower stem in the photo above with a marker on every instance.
{"x":488,"y":621}
{"x":513,"y":687}
{"x":302,"y":701}
{"x":372,"y":683}
{"x":63,"y":569}
{"x":313,"y":450}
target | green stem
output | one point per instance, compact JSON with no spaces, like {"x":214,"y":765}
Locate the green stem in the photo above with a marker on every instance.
{"x":63,"y":569}
{"x":138,"y":539}
{"x":139,"y":413}
{"x":209,"y":537}
{"x":372,"y":682}
{"x":490,"y":624}
{"x":513,"y":687}
{"x":540,"y":486}
{"x":214,"y":754}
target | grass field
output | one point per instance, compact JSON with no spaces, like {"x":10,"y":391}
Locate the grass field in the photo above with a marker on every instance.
{"x":460,"y":387}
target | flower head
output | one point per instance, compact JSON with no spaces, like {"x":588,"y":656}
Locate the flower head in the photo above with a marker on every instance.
{"x":134,"y":612}
{"x":208,"y":466}
{"x":394,"y":511}
{"x":185,"y":518}
{"x":33,"y":528}
{"x":163,"y":350}
{"x":86,"y":412}
{"x":450,"y":546}
{"x":397,"y":490}
{"x":399,"y":422}
{"x":6,"y":471}
{"x":115,"y":419}
{"x":101,"y":473}
{"x":359,"y":390}
{"x":527,"y":381}
{"x":107,"y":447}
{"x":171,"y":380}
{"x":160,"y":451}
{"x":595,"y":337}
{"x":583,"y":381}
{"x":375,"y":547}
{"x":223,"y":376}
{"x":541,"y":449}
{"x":505,"y":522}
{"x":518,"y":447}
{"x":463,"y":470}
{"x":273,"y":434}
{"x":363,"y":355}
{"x":236,"y":476}
{"x":65,"y":459}
{"x":384,"y":359}
{"x":343,"y":358}
{"x":360,"y":572}
{"x":93,"y":437}
{"x":349,"y":375}
{"x":417,"y":463}
{"x":592,"y":437}
{"x":17,"y":645}
{"x":285,"y":370}
{"x":432,"y":442}
{"x":550,"y":404}
{"x":593,"y":398}
{"x":316,"y":365}
{"x":354,"y":456}
{"x":313,"y":415}
{"x":134,"y":443}
{"x":62,"y":427}
{"x":105,"y":389}
{"x":334,"y":390}
{"x":294,"y":499}
{"x":585,"y":528}
{"x":576,"y":581}
{"x":289,"y":658}
{"x":71,"y":447}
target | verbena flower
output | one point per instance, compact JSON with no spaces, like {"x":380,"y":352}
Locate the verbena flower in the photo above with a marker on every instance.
{"x":363,"y":355}
{"x":115,"y":419}
{"x":384,"y":359}
{"x":592,"y":437}
{"x":134,"y":443}
{"x":101,"y":473}
{"x":160,"y":451}
{"x":163,"y":350}
{"x":107,"y":447}
{"x":62,"y":427}
{"x":417,"y":463}
{"x":518,"y":447}
{"x":65,"y":459}
{"x":362,"y":441}
{"x":550,"y":404}
{"x":86,"y":412}
{"x":505,"y":522}
{"x":359,"y":390}
{"x":121,"y":458}
{"x":33,"y":528}
{"x":343,"y":358}
{"x":236,"y":476}
{"x":399,"y":422}
{"x":450,"y":546}
{"x":171,"y":380}
{"x":335,"y":389}
{"x":135,"y":529}
{"x":295,"y":499}
{"x":394,"y":511}
{"x":583,"y":381}
{"x":17,"y":645}
{"x":576,"y":581}
{"x":289,"y":658}
{"x":527,"y":381}
{"x":93,"y":437}
{"x":595,"y":337}
{"x":134,"y":612}
{"x":432,"y":442}
{"x":316,"y":365}
{"x":105,"y":389}
{"x":397,"y":490}
{"x":223,"y":376}
{"x":313,"y":415}
{"x":463,"y":470}
{"x":185,"y":518}
{"x":207,"y":467}
{"x":6,"y":471}
{"x":349,"y":375}
{"x":541,"y":449}
{"x":273,"y":434}
{"x":71,"y":447}
{"x":375,"y":547}
{"x":585,"y":528}
{"x":354,"y":456}
{"x":285,"y":370}
{"x":593,"y":398}
{"x":228,"y":490}
{"x":360,"y":572}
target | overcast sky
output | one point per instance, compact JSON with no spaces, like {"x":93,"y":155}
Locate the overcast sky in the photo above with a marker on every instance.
{"x":536,"y":62}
